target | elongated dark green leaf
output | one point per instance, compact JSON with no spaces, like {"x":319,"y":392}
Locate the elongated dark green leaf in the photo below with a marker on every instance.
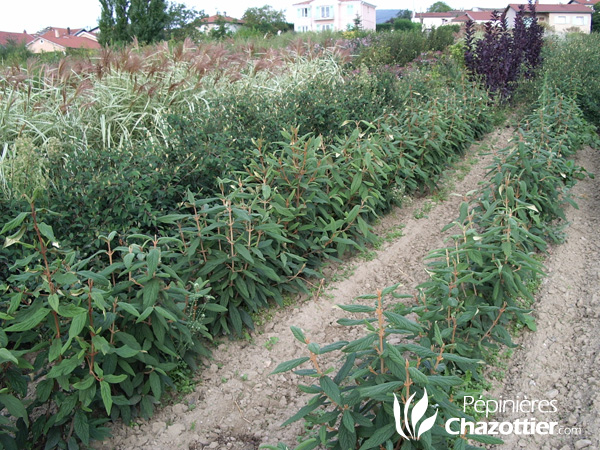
{"x":14,"y":223}
{"x":331,"y":389}
{"x":166,"y":314}
{"x":417,"y":376}
{"x":150,"y":293}
{"x":347,"y":438}
{"x":357,"y":308}
{"x":298,"y":334}
{"x":243,"y":252}
{"x":106,"y":396}
{"x":126,"y":352}
{"x":46,"y":231}
{"x":129,"y":308}
{"x":363,"y":343}
{"x":444,"y":380}
{"x":379,"y":437}
{"x":289,"y":365}
{"x":32,"y":321}
{"x":380,"y":389}
{"x":54,"y":351}
{"x":402,"y":322}
{"x":155,"y":385}
{"x":14,"y":406}
{"x":309,"y":444}
{"x":6,"y":355}
{"x":77,"y":324}
{"x":81,"y":426}
{"x":152,"y":260}
{"x":332,"y":347}
{"x":314,"y":404}
{"x":215,"y":307}
{"x":65,"y":367}
{"x":85,"y":383}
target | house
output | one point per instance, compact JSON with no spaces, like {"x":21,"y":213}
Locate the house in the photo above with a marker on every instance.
{"x":92,"y":33}
{"x":54,"y":39}
{"x":475,"y":16}
{"x":337,"y":15}
{"x":589,"y":3}
{"x":429,"y":20}
{"x":6,"y":38}
{"x":231,"y":24}
{"x":561,"y":17}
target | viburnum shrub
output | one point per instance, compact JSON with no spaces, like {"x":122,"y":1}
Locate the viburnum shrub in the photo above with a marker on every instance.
{"x":81,"y":346}
{"x":577,"y":51}
{"x":504,"y":54}
{"x":475,"y":292}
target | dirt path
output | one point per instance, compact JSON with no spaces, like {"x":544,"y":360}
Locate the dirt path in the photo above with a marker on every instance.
{"x":560,"y":361}
{"x":238,"y":405}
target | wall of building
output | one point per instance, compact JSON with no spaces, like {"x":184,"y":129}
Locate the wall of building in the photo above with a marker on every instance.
{"x":320,"y":15}
{"x":563,"y":22}
{"x":44,"y":46}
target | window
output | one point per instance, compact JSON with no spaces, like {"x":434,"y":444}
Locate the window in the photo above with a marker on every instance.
{"x":561,"y":19}
{"x":350,"y":10}
{"x":302,"y":12}
{"x":579,"y":20}
{"x":324,"y":12}
{"x":328,"y":26}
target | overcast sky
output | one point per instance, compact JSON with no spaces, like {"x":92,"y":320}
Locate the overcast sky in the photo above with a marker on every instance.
{"x":34,"y":15}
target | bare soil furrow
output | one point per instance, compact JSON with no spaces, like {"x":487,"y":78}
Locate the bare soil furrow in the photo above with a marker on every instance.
{"x":559,"y":362}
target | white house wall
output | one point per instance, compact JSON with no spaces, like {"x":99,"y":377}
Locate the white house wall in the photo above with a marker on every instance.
{"x":563,"y":22}
{"x":340,"y":15}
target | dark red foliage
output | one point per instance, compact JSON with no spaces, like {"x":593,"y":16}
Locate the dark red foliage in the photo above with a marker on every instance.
{"x":505,"y":54}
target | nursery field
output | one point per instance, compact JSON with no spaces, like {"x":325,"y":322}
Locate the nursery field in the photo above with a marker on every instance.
{"x":202,"y":242}
{"x":237,"y":404}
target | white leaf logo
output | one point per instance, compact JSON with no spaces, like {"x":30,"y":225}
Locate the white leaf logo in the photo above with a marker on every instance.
{"x":417,"y":414}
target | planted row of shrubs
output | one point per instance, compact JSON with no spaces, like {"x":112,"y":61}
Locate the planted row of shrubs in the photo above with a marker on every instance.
{"x":150,"y":148}
{"x":475,"y":292}
{"x":97,"y":336}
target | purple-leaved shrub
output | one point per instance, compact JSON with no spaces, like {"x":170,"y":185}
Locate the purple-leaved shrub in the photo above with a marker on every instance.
{"x":504,"y":54}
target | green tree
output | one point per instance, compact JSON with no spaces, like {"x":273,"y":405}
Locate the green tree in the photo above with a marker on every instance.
{"x":114,"y":22}
{"x":403,"y":14}
{"x":121,"y":28}
{"x":220,"y":30}
{"x":106,"y":22}
{"x":596,"y":18}
{"x":265,"y":19}
{"x":148,"y":19}
{"x":439,"y":7}
{"x":122,"y":20}
{"x":405,"y":25}
{"x":183,"y":22}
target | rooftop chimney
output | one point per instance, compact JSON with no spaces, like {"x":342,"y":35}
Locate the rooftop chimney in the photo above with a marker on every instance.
{"x":56,"y":33}
{"x":68,"y":30}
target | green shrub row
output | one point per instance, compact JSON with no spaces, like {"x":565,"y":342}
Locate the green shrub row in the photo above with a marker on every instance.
{"x":300,"y":201}
{"x":99,"y":335}
{"x":577,"y":52}
{"x":80,"y":346}
{"x":398,"y":48}
{"x":475,"y":291}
